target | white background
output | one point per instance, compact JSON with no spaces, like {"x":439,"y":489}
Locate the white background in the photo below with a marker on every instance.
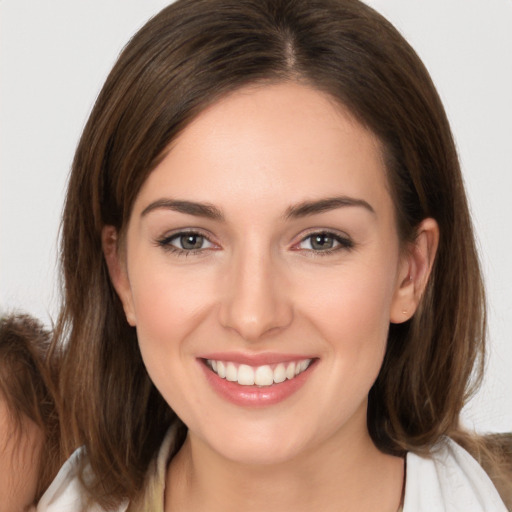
{"x":56,"y":54}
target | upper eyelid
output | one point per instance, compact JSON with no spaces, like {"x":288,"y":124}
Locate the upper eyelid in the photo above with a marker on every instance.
{"x":165,"y":242}
{"x":322,"y":231}
{"x":344,"y":241}
{"x":186,"y":231}
{"x":337,"y":234}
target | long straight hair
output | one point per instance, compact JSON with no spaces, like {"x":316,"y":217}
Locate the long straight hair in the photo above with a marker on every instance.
{"x":184,"y":59}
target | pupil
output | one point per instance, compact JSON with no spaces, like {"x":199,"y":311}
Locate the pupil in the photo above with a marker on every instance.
{"x":191,"y":241}
{"x":322,"y":242}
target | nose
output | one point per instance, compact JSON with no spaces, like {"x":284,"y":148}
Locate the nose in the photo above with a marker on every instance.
{"x":256,"y":300}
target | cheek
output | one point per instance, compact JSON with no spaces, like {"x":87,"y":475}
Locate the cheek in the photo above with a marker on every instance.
{"x":351,"y":315}
{"x":169,"y":304}
{"x":356,"y":301}
{"x":167,"y":299}
{"x":351,"y":311}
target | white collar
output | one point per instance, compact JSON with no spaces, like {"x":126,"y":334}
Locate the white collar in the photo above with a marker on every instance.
{"x":449,"y":480}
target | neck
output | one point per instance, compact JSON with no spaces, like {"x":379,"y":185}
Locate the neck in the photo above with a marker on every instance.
{"x":345,"y":473}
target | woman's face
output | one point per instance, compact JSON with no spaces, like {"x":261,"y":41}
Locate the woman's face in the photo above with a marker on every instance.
{"x":264,"y":246}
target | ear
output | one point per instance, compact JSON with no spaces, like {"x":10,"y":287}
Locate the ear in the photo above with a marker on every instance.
{"x":414,"y":271}
{"x":117,"y":270}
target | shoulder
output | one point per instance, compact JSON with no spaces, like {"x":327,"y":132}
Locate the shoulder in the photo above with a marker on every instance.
{"x":66,"y":491}
{"x":449,"y":479}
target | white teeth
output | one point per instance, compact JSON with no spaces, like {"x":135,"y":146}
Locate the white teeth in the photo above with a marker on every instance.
{"x":231,"y":372}
{"x":221,"y":369}
{"x":279,"y":373}
{"x":245,"y":375}
{"x":263,"y":375}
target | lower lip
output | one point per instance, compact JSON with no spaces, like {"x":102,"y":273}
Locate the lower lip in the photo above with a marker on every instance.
{"x":255,"y":396}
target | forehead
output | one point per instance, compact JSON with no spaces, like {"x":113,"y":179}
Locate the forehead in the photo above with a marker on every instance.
{"x":271,"y":144}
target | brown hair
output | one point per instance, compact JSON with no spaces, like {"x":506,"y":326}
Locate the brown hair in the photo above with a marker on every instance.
{"x":182,"y":60}
{"x":494,"y":453}
{"x":26,"y":383}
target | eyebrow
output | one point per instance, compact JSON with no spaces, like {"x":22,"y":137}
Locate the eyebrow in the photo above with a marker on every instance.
{"x":297,"y":211}
{"x":206,"y":210}
{"x":307,"y":208}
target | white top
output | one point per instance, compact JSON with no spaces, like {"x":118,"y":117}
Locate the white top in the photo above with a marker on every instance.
{"x":450,"y":480}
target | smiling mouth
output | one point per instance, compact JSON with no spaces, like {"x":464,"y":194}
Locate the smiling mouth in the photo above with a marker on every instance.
{"x":265,"y":375}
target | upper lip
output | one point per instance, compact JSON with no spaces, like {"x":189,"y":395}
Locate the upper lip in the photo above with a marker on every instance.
{"x":255,"y":359}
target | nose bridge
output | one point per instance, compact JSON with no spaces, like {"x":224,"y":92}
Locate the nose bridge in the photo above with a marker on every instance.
{"x":255,"y":301}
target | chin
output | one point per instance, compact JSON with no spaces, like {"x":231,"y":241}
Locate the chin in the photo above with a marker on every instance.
{"x":259,"y":445}
{"x":256,"y":455}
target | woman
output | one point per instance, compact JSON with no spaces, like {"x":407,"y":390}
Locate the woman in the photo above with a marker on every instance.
{"x":271,"y":279}
{"x":29,"y":433}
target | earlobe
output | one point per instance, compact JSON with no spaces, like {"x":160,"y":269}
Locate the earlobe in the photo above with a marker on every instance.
{"x":414,"y":272}
{"x":117,"y":271}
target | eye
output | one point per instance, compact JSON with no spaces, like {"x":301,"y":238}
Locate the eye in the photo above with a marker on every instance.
{"x":325,"y":242}
{"x":186,"y":242}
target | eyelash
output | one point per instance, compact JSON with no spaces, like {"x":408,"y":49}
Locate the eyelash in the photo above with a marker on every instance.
{"x":165,"y":243}
{"x":344,"y":243}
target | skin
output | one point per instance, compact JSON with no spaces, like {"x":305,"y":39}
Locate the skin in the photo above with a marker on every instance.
{"x":258,"y":286}
{"x":19,"y":451}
